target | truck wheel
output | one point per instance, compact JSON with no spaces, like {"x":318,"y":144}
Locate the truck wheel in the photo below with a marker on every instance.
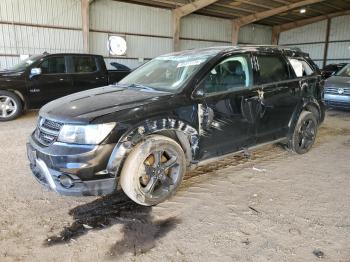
{"x":10,"y":106}
{"x":153,"y":170}
{"x":304,"y":134}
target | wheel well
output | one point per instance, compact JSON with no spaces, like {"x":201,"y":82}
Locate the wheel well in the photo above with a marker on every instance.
{"x":313,"y":109}
{"x":19,"y":94}
{"x":182,"y":139}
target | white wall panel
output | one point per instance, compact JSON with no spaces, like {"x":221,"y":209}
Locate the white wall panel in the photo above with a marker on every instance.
{"x":34,"y":40}
{"x":255,"y":34}
{"x":116,"y":16}
{"x":45,"y":12}
{"x":339,"y":50}
{"x":204,"y":27}
{"x":310,"y":33}
{"x":340,"y":28}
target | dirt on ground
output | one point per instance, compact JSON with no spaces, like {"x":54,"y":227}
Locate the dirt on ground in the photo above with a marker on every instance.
{"x":268,"y":205}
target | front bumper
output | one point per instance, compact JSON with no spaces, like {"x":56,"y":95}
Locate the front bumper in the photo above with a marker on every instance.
{"x":338,"y":101}
{"x":83,"y":165}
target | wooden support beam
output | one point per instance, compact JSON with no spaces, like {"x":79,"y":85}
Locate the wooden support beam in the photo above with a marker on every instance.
{"x":182,"y":11}
{"x":176,"y":31}
{"x":259,"y":16}
{"x":325,"y":54}
{"x":307,"y":21}
{"x":85,"y":15}
{"x":275,"y":35}
{"x":235,"y":32}
{"x":193,"y":7}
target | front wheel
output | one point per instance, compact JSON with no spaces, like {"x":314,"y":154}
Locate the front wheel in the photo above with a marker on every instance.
{"x":153,"y":170}
{"x":10,"y":106}
{"x":304,"y":134}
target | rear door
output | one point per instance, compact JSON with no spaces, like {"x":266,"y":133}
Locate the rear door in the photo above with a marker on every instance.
{"x":280,"y":94}
{"x":52,"y":83}
{"x":87,"y":72}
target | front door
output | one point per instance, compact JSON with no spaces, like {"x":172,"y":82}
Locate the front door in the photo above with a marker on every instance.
{"x":225,"y":122}
{"x":53,"y":81}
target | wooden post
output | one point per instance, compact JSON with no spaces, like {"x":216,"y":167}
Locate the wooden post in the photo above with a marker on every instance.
{"x":85,"y":15}
{"x":325,"y":54}
{"x":235,"y":32}
{"x":176,"y":31}
{"x":275,"y":35}
{"x":182,"y":11}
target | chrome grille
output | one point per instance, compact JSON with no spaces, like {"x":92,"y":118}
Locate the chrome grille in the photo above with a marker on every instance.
{"x":47,"y":131}
{"x":335,"y":90}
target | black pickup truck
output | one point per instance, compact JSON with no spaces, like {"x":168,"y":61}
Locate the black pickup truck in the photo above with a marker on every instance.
{"x":40,"y":79}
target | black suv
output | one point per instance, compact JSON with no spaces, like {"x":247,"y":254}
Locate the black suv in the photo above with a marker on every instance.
{"x":173,"y":112}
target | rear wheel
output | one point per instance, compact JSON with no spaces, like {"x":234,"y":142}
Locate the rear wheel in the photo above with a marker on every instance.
{"x":10,"y":106}
{"x":304,"y":134}
{"x":153,"y":170}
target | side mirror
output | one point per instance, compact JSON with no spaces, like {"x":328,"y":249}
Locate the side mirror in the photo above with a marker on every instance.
{"x":35,"y":71}
{"x":198,"y":93}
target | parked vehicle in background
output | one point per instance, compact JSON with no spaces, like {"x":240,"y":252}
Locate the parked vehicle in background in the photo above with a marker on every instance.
{"x":331,"y":69}
{"x":175,"y":111}
{"x":120,"y":67}
{"x":337,"y":89}
{"x":40,"y":79}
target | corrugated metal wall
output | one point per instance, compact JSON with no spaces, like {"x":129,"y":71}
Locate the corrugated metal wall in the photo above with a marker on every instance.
{"x":35,"y":26}
{"x":311,"y":39}
{"x":148,"y":30}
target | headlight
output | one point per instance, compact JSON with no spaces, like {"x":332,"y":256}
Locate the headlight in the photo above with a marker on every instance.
{"x":88,"y":134}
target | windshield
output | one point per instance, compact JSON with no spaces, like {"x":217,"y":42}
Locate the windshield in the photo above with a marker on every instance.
{"x":345,"y":71}
{"x":167,"y":73}
{"x":24,"y":63}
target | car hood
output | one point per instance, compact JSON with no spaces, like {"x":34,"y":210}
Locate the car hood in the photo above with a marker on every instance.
{"x":83,"y":107}
{"x":338,"y":81}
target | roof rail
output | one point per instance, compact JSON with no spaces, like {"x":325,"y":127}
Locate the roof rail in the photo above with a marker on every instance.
{"x":274,"y":46}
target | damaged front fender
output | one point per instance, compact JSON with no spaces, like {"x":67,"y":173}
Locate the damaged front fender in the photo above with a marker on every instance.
{"x":138,"y":133}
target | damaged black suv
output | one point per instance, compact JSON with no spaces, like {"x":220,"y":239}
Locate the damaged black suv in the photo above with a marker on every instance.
{"x":173,"y":112}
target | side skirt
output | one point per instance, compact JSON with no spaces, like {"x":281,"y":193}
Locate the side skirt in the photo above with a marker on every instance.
{"x":214,"y":159}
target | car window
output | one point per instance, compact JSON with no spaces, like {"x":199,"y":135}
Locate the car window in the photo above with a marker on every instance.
{"x":345,"y":72}
{"x":233,"y":73}
{"x":84,"y":64}
{"x":53,"y":65}
{"x":272,"y":68}
{"x":301,"y":67}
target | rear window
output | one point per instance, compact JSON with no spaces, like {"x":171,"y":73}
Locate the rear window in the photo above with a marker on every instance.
{"x":301,"y":67}
{"x":84,"y":64}
{"x":272,"y":68}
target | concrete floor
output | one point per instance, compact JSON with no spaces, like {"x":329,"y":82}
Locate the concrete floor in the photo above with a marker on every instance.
{"x":275,"y":206}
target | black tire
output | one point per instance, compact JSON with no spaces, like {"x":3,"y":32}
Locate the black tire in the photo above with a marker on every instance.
{"x":304,"y":133}
{"x":10,"y":106}
{"x":145,"y":177}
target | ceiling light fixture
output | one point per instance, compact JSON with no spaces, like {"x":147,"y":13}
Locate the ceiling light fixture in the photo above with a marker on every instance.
{"x":302,"y":11}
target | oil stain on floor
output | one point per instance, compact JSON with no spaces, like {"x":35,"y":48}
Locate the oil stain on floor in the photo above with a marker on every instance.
{"x":140,"y":230}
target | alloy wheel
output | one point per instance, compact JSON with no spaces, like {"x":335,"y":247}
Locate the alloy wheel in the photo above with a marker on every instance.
{"x":8,"y":106}
{"x":161,"y":172}
{"x":307,"y":134}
